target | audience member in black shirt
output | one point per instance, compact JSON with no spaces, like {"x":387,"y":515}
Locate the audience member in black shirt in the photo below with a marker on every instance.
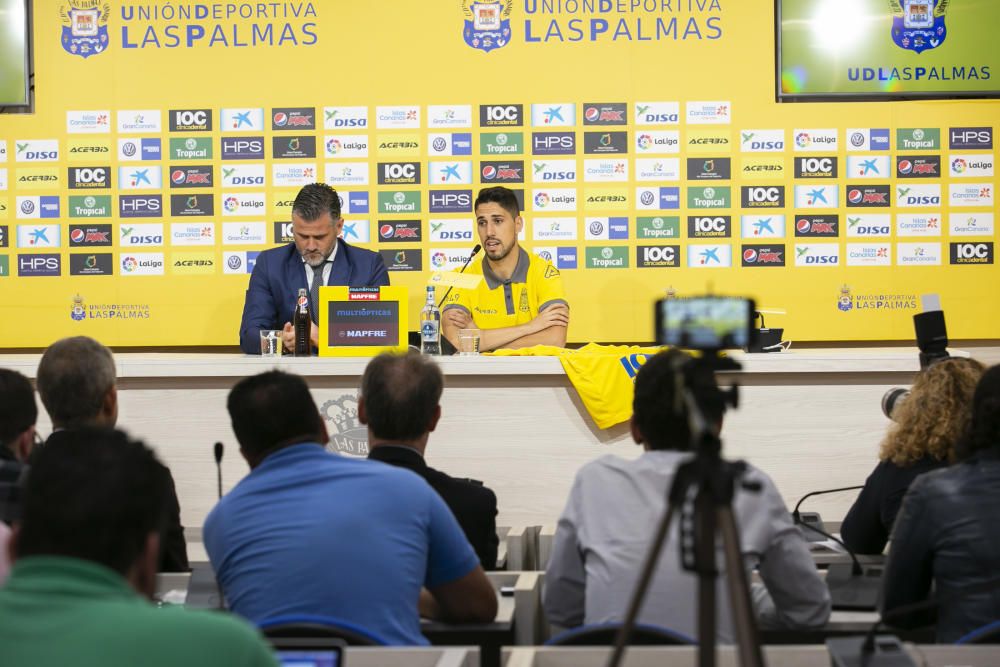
{"x":927,"y":425}
{"x":946,"y":533}
{"x":18,"y":414}
{"x":400,"y":404}
{"x":77,"y":383}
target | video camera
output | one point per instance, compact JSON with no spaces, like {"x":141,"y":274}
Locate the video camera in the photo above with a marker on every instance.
{"x":932,"y":341}
{"x":706,"y":323}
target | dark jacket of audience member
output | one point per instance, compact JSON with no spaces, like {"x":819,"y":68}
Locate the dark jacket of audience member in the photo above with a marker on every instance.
{"x":474,"y":505}
{"x":922,"y":438}
{"x":946,"y":532}
{"x":400,"y":403}
{"x":86,"y":557}
{"x":18,"y":414}
{"x":77,"y":384}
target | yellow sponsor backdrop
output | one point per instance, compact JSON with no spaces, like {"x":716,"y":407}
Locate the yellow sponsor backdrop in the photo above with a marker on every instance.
{"x":339,"y":53}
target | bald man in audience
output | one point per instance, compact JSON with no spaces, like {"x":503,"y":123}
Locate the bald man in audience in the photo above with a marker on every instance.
{"x":77,"y":383}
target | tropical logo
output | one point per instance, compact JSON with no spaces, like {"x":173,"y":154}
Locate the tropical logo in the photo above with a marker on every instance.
{"x":487,"y":23}
{"x":84,"y":27}
{"x":918,"y":25}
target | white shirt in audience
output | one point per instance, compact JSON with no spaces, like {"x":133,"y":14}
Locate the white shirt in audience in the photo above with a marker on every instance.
{"x":604,"y":534}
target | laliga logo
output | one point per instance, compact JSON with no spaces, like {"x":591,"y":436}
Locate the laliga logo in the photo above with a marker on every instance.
{"x":487,"y":23}
{"x":439,"y":260}
{"x":541,"y":200}
{"x":231,"y":204}
{"x":802,"y":140}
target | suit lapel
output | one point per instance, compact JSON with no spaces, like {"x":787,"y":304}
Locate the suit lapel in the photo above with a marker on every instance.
{"x":340,"y":274}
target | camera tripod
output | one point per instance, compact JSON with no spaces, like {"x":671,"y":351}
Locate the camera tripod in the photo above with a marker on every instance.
{"x":713,"y":480}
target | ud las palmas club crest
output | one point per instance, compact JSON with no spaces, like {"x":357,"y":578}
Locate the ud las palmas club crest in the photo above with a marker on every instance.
{"x":489,"y":25}
{"x":347,"y":434}
{"x":85,"y":27}
{"x":77,"y":312}
{"x":845,"y":302}
{"x":918,"y":25}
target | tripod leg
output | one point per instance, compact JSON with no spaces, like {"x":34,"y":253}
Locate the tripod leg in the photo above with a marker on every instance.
{"x":704,"y":550}
{"x":648,"y":568}
{"x":744,"y":620}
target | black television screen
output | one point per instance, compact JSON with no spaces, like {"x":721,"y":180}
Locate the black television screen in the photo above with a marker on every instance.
{"x":886,"y":49}
{"x":14,"y":53}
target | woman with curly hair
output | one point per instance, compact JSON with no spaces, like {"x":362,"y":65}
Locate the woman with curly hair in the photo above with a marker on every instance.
{"x":927,"y":427}
{"x":946,"y":534}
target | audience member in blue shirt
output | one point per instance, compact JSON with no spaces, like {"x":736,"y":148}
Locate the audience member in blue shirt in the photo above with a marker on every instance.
{"x":308,"y":532}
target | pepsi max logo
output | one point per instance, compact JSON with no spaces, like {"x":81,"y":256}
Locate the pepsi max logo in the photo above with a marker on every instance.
{"x":905,"y":167}
{"x":855,"y":196}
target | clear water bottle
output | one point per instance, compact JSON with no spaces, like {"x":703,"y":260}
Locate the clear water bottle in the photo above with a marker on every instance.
{"x":430,"y":325}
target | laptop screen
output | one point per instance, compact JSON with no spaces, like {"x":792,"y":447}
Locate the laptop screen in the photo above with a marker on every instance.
{"x":311,"y":658}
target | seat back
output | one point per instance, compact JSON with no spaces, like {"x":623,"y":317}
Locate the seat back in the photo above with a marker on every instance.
{"x":987,"y":634}
{"x":306,"y":626}
{"x":605,"y":634}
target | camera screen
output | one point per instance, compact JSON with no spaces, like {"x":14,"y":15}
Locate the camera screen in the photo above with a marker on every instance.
{"x":704,"y":323}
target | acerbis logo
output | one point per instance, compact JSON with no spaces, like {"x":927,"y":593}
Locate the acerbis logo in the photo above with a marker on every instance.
{"x":972,"y":253}
{"x":495,"y":115}
{"x":190,"y":120}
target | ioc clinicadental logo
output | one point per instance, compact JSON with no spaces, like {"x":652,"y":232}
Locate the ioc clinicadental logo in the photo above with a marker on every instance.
{"x":487,"y":23}
{"x":84,"y":27}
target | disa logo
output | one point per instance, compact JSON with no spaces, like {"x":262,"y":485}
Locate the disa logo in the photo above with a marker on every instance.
{"x":487,"y":23}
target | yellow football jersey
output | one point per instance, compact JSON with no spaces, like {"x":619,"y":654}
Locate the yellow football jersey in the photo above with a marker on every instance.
{"x":534,"y":285}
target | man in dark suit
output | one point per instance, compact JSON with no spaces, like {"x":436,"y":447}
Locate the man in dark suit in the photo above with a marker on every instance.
{"x":77,"y":384}
{"x":281,"y":272}
{"x":400,"y":404}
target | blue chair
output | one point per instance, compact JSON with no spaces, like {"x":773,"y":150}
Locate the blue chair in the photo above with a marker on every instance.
{"x":605,"y":634}
{"x":988,"y":634}
{"x":309,"y":626}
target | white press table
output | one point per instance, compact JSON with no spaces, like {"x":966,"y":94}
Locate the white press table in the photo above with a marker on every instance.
{"x":810,"y":419}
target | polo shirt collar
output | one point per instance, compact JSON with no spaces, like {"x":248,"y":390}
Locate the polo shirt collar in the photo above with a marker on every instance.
{"x":64,"y":577}
{"x":520,"y":274}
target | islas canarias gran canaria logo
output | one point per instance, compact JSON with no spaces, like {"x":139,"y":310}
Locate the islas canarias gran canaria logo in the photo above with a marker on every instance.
{"x":487,"y":23}
{"x":918,"y":25}
{"x":84,"y":27}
